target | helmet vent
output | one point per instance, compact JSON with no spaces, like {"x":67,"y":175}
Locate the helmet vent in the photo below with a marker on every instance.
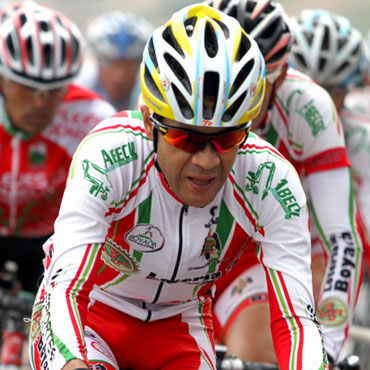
{"x":152,"y":55}
{"x":151,"y":85}
{"x":244,"y":46}
{"x":325,"y":41}
{"x":342,"y":67}
{"x":170,"y":38}
{"x":179,"y":71}
{"x":241,"y":77}
{"x":300,"y":59}
{"x":211,"y":87}
{"x":210,"y":41}
{"x":189,"y":25}
{"x":184,"y":106}
{"x":10,"y":44}
{"x":224,"y":28}
{"x":47,"y":55}
{"x":64,"y":49}
{"x":75,"y":47}
{"x":44,"y":26}
{"x":22,"y":19}
{"x":29,"y":50}
{"x":230,"y":112}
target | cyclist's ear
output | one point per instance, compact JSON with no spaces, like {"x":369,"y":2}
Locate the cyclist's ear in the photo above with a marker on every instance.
{"x":147,"y":123}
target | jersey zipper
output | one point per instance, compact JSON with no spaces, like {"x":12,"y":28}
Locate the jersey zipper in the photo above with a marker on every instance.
{"x":13,"y":214}
{"x":184,"y":210}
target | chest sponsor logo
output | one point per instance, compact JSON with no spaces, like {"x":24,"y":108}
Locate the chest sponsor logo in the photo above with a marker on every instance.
{"x":211,"y":246}
{"x":119,"y":156}
{"x":332,"y":312}
{"x":118,"y":259}
{"x":145,"y":238}
{"x":98,"y":177}
{"x":37,"y":153}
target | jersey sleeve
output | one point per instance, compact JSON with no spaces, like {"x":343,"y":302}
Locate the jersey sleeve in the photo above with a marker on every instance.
{"x":74,"y":254}
{"x":334,"y":212}
{"x":314,"y":134}
{"x":282,"y":233}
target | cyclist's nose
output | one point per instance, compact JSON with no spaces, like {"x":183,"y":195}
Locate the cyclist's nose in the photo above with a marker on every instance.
{"x":206,"y":158}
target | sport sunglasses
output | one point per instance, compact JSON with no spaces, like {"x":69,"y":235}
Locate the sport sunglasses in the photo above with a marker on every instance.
{"x":191,"y":141}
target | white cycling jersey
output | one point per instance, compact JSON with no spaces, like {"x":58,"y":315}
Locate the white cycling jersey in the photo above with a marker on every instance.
{"x":356,"y":126}
{"x":303,"y":124}
{"x":124,"y":239}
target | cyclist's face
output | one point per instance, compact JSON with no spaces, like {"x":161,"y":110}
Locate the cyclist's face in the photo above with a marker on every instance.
{"x":119,"y":77}
{"x":30,"y":110}
{"x":194,"y":178}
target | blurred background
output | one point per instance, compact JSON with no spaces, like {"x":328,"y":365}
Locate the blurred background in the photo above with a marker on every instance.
{"x":159,"y":11}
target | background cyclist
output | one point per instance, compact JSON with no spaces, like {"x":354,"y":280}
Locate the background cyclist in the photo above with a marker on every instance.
{"x":299,"y":118}
{"x":338,"y":66}
{"x":43,"y":118}
{"x":161,"y":203}
{"x":115,"y":41}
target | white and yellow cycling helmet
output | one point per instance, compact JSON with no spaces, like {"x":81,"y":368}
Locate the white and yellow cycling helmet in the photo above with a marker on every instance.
{"x":201,"y":68}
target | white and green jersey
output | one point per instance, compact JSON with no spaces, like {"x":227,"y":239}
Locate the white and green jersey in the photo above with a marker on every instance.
{"x":356,"y":126}
{"x":302,"y":123}
{"x":124,"y":239}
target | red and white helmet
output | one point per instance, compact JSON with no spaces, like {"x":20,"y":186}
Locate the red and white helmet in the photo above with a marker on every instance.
{"x":39,"y":47}
{"x":266,"y":22}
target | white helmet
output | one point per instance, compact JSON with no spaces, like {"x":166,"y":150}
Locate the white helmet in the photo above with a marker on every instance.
{"x":201,"y":68}
{"x":40,"y":47}
{"x":118,"y":35}
{"x":327,"y":48}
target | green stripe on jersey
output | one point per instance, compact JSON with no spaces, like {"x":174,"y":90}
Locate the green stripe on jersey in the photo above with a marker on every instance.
{"x":144,"y":210}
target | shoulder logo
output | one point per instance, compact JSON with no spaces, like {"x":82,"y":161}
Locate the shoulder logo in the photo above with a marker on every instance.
{"x":332,"y":312}
{"x":145,"y":238}
{"x":98,"y":177}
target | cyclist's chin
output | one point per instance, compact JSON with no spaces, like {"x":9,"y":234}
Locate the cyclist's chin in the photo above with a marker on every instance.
{"x":198,"y":199}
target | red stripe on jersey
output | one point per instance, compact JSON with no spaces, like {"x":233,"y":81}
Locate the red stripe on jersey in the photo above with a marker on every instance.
{"x":327,"y":160}
{"x":134,"y":192}
{"x":119,"y":125}
{"x":281,"y":112}
{"x":246,"y":210}
{"x":82,"y":300}
{"x":269,"y":148}
{"x":279,"y":327}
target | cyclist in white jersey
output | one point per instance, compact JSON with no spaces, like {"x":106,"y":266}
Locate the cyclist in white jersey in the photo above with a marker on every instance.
{"x":347,"y":55}
{"x":115,"y":41}
{"x":330,"y":50}
{"x":43,"y":118}
{"x":299,"y":118}
{"x":160,"y":204}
